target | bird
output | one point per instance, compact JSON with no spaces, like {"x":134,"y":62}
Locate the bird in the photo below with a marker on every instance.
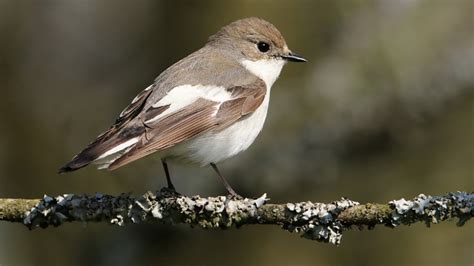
{"x":204,"y":109}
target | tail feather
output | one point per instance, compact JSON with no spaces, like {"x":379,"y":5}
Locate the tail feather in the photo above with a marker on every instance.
{"x":75,"y":164}
{"x":108,"y":141}
{"x":125,"y":128}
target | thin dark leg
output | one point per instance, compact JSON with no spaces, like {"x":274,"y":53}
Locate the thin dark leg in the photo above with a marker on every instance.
{"x":226,"y":185}
{"x":167,"y":173}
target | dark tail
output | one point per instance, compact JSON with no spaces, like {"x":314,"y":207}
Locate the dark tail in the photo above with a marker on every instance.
{"x":107,"y":140}
{"x":79,"y":161}
{"x":102,"y":143}
{"x":85,"y":157}
{"x":89,"y":154}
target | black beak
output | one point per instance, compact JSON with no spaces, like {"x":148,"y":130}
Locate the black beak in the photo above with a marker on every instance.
{"x":293,"y":58}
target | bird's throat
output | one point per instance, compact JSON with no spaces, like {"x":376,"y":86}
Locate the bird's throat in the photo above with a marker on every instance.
{"x":267,"y":70}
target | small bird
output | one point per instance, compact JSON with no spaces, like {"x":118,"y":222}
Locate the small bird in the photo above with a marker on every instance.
{"x":204,"y":109}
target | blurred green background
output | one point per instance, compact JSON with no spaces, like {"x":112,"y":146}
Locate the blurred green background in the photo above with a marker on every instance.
{"x":382,"y":110}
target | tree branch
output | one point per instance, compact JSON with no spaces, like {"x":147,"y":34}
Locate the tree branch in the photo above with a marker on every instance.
{"x":317,"y":221}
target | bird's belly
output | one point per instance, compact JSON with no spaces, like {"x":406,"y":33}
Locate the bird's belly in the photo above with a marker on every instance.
{"x":214,"y":147}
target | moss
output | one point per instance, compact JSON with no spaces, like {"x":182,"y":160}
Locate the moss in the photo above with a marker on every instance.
{"x":15,"y":210}
{"x":317,"y":221}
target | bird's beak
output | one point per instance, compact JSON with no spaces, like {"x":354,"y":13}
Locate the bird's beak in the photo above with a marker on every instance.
{"x":292,"y":57}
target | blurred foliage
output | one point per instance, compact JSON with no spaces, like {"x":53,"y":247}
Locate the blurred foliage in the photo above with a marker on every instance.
{"x":382,"y":110}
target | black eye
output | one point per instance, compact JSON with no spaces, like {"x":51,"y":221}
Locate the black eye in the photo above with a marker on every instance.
{"x":263,"y":47}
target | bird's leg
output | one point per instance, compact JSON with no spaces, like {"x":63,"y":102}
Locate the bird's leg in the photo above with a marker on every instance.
{"x":167,"y":173}
{"x":232,"y":192}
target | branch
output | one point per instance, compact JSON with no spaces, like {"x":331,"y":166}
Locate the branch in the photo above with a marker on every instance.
{"x":317,"y":221}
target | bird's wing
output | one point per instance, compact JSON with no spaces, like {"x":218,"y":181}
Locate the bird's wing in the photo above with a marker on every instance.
{"x":192,"y":110}
{"x":139,"y":126}
{"x":121,"y":132}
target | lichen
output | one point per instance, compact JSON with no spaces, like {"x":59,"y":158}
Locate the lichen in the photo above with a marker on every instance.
{"x":118,"y":220}
{"x":433,"y":209}
{"x":214,"y":212}
{"x":45,"y":212}
{"x":147,"y":204}
{"x":318,"y":221}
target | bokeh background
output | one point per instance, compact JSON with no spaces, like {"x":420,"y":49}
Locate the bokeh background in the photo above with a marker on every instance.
{"x":382,"y":110}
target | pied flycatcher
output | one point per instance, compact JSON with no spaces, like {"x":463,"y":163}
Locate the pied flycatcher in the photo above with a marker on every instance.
{"x":204,"y":109}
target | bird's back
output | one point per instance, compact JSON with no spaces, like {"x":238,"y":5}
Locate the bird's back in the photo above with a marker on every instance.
{"x":206,"y":67}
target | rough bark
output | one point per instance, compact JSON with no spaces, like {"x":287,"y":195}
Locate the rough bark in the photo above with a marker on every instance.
{"x":318,"y":221}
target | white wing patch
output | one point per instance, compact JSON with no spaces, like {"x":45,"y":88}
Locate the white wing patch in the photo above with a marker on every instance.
{"x":181,"y":96}
{"x":118,"y":148}
{"x":139,"y":95}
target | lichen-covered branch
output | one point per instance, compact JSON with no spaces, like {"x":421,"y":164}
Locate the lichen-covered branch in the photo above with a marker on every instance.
{"x":318,"y":221}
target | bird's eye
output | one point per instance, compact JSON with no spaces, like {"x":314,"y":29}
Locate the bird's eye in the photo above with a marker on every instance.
{"x":263,"y":47}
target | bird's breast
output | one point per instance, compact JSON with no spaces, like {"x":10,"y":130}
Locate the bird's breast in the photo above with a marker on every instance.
{"x":216,"y":146}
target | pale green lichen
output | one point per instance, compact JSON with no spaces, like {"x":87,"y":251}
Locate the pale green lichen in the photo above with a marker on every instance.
{"x":213,"y":212}
{"x":44,"y":213}
{"x":433,"y":209}
{"x":318,"y":221}
{"x":147,"y":205}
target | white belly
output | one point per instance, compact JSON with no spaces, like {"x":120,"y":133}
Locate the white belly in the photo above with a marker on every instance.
{"x":214,"y":147}
{"x":210,"y":147}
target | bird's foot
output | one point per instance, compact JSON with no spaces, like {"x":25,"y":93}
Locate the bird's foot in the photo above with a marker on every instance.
{"x":234,"y":196}
{"x":169,"y":191}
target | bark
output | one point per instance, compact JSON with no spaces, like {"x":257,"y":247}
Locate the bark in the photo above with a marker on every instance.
{"x":323,"y":222}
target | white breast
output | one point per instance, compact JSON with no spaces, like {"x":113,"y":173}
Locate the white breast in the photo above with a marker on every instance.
{"x":214,"y":147}
{"x":210,"y":147}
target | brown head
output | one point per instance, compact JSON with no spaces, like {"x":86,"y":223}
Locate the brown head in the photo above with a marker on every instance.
{"x":255,"y":39}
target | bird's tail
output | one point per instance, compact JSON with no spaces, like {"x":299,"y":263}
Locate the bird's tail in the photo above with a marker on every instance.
{"x":104,"y":149}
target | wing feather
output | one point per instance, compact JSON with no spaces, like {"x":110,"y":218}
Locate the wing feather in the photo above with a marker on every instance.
{"x":201,"y":116}
{"x":124,"y":129}
{"x":184,"y":124}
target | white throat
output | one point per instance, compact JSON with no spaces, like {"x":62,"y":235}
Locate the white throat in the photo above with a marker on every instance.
{"x":267,"y":70}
